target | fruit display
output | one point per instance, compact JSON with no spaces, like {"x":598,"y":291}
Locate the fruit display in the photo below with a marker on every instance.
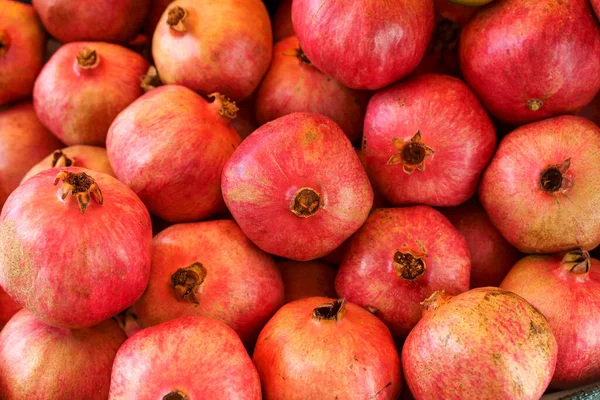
{"x":300,"y":199}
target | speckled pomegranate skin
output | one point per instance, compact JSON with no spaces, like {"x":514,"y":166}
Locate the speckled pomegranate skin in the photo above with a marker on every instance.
{"x":483,"y":344}
{"x":552,"y":48}
{"x":296,"y":353}
{"x":307,"y":279}
{"x":200,"y":357}
{"x":242,"y":287}
{"x":369,"y":278}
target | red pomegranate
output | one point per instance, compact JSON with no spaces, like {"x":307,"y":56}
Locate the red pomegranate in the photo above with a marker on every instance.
{"x":74,"y":261}
{"x":100,"y":20}
{"x":541,"y":190}
{"x":307,"y":279}
{"x":177,"y":144}
{"x":491,"y":255}
{"x":529,"y":36}
{"x":22,"y":43}
{"x":397,"y":259}
{"x":38,"y":361}
{"x":293,"y":84}
{"x":311,"y":339}
{"x":90,"y":157}
{"x":566,"y":289}
{"x":282,"y":21}
{"x":84,"y":86}
{"x":296,"y":187}
{"x":233,"y":50}
{"x":23,"y":142}
{"x":486,"y":343}
{"x":427,"y":140}
{"x":185,"y":358}
{"x":364,"y":44}
{"x":8,"y":308}
{"x":211,"y":269}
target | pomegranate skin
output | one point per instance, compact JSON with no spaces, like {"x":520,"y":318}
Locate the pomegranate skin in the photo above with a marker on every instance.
{"x":561,"y":216}
{"x":294,"y":85}
{"x":297,"y":181}
{"x":486,"y":343}
{"x":393,"y":38}
{"x":201,"y":358}
{"x":282,"y":21}
{"x":82,"y":156}
{"x":99,"y":20}
{"x":177,"y":145}
{"x":553,"y":51}
{"x":74,"y":270}
{"x":234,"y":50}
{"x":22,"y":44}
{"x":77,"y":102}
{"x":8,"y":308}
{"x":38,"y":361}
{"x":380,"y":269}
{"x":295,"y":350}
{"x":242,"y":286}
{"x":23,"y":142}
{"x":307,"y":279}
{"x":568,"y":294}
{"x":491,"y":255}
{"x":439,"y":116}
{"x":596,"y":7}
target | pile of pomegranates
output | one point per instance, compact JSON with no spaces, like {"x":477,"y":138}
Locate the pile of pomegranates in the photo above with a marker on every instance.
{"x":299,"y":199}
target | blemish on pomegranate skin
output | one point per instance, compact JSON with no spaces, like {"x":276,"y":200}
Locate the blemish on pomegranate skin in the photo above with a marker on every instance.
{"x":408,"y":265}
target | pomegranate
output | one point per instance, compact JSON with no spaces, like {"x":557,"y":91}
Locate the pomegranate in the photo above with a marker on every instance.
{"x":296,"y":187}
{"x":293,"y":84}
{"x":211,"y":269}
{"x":8,"y":308}
{"x":307,"y":279}
{"x":38,"y":361}
{"x":530,"y":36}
{"x":100,"y":20}
{"x":185,"y":358}
{"x":74,"y":261}
{"x":491,"y":255}
{"x":427,"y":140}
{"x":397,"y":259}
{"x":84,"y":86}
{"x":486,"y":343}
{"x":393,"y":38}
{"x":90,"y":157}
{"x":282,"y":21}
{"x":23,"y":142}
{"x":177,"y":144}
{"x":566,"y":289}
{"x":22,"y":43}
{"x":541,"y":190}
{"x":310,"y":339}
{"x":233,"y":50}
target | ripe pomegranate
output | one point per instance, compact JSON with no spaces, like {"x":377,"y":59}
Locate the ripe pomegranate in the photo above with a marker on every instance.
{"x":486,"y":343}
{"x":397,"y":259}
{"x":541,"y":189}
{"x":185,"y":358}
{"x":296,"y":187}
{"x":528,"y":36}
{"x":22,"y":43}
{"x":23,"y":142}
{"x":38,"y":361}
{"x":90,"y":157}
{"x":293,"y":84}
{"x":177,"y":144}
{"x":427,"y":140}
{"x":307,"y":279}
{"x":491,"y":255}
{"x":84,"y":86}
{"x":566,"y":289}
{"x":8,"y":308}
{"x":211,"y":269}
{"x":313,"y":338}
{"x":233,"y":50}
{"x":71,"y":261}
{"x":100,"y":20}
{"x":282,"y":21}
{"x":393,"y":38}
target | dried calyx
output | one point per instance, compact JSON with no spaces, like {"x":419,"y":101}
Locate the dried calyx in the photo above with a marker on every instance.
{"x":331,"y":311}
{"x":226,"y":107}
{"x":411,"y":154}
{"x":306,"y":202}
{"x":175,"y":395}
{"x":186,"y":281}
{"x":435,"y":301}
{"x":88,"y":59}
{"x":4,"y":42}
{"x":151,"y":80}
{"x":60,"y":159}
{"x":176,"y":18}
{"x":553,"y":178}
{"x":534,"y":104}
{"x":577,"y":261}
{"x":80,"y":185}
{"x":409,"y":265}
